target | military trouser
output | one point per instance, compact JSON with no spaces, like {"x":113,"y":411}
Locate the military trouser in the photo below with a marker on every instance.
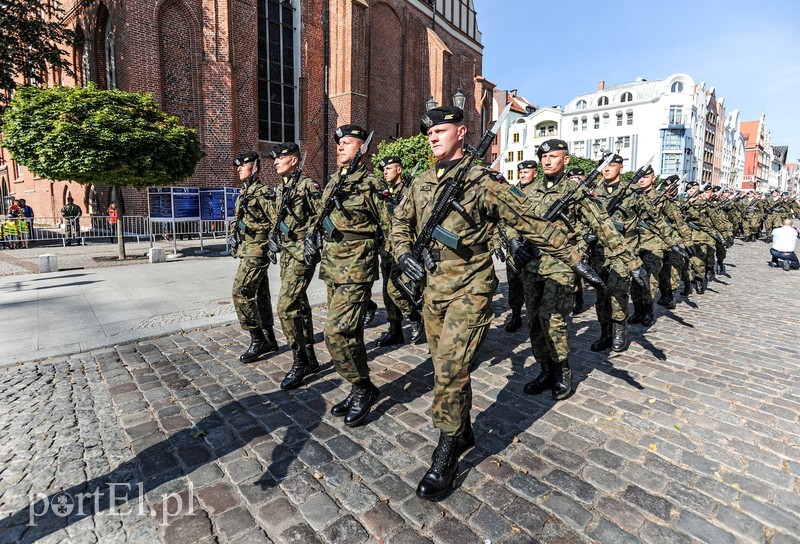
{"x":669,"y":279}
{"x":653,"y":263}
{"x":751,"y":226}
{"x":251,"y":296}
{"x":456,"y":329}
{"x":395,"y":301}
{"x":294,"y":311}
{"x":344,"y":329}
{"x":548,"y":301}
{"x":703,"y":258}
{"x":71,"y":227}
{"x":516,"y":290}
{"x":773,"y":221}
{"x":721,"y":252}
{"x":612,"y":302}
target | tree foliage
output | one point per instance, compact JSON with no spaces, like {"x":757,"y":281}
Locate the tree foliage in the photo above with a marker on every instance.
{"x":89,"y":136}
{"x":30,"y":43}
{"x":411,"y":151}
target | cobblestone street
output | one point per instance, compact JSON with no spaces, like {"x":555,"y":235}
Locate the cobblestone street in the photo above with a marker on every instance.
{"x":691,"y":435}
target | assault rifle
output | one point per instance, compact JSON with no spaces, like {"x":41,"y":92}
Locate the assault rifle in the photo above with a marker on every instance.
{"x":324,"y":221}
{"x":432,"y":230}
{"x":667,"y":189}
{"x":281,"y":228}
{"x":615,"y":203}
{"x":556,"y":209}
{"x":408,"y":178}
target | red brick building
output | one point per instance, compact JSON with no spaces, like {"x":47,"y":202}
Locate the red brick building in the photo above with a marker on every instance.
{"x":249,"y":73}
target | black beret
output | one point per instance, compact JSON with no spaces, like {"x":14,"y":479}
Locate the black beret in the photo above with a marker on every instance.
{"x":575,"y":172}
{"x":389,"y":159}
{"x":692,"y":184}
{"x":553,"y":144}
{"x":726,"y":191}
{"x":527,"y":164}
{"x":785,"y":193}
{"x":706,"y":187}
{"x":440,"y":116}
{"x":671,"y":179}
{"x":648,"y":170}
{"x":244,"y":158}
{"x":286,"y":148}
{"x":750,"y":192}
{"x":616,"y":159}
{"x":349,"y":130}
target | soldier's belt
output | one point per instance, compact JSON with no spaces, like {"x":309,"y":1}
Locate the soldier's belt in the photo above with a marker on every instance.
{"x":350,"y":236}
{"x":464,"y":254}
{"x":255,"y":236}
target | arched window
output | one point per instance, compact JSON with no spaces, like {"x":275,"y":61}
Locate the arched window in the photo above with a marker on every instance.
{"x":602,"y":101}
{"x":111,"y":67}
{"x":596,"y":121}
{"x":677,"y":87}
{"x":581,"y":105}
{"x":626,"y":97}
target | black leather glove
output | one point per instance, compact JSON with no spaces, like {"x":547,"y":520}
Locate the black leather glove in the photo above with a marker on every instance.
{"x":587,"y":272}
{"x":499,"y":255}
{"x":641,"y":277}
{"x":521,"y":251}
{"x":590,"y":238}
{"x":274,"y":242}
{"x":310,"y":249}
{"x":427,"y":260}
{"x":410,"y":266}
{"x":680,"y":250}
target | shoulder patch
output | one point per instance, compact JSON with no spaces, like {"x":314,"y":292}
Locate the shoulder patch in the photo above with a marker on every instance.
{"x":497,"y":176}
{"x":515,"y":190}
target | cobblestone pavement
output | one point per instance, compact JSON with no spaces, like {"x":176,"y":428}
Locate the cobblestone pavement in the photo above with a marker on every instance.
{"x":690,"y":435}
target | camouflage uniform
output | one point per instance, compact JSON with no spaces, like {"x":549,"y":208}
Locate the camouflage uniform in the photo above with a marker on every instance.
{"x":704,"y":235}
{"x":674,"y":264}
{"x":725,"y":229}
{"x":294,"y":310}
{"x":251,"y":296}
{"x":395,"y":301}
{"x":71,"y":213}
{"x":458,"y":293}
{"x":753,"y":208}
{"x":350,"y":266}
{"x":549,"y":283}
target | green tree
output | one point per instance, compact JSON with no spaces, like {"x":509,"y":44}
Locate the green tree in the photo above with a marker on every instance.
{"x":92,"y":136}
{"x":30,"y":40}
{"x":411,"y":151}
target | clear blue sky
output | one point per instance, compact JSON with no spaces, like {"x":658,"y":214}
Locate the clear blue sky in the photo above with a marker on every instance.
{"x":749,"y":51}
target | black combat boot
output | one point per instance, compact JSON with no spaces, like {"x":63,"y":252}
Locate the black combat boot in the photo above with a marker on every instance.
{"x":258,"y":346}
{"x":647,"y":314}
{"x":369,"y":314}
{"x":578,"y":307}
{"x":393,"y":336}
{"x":605,"y":338}
{"x":416,"y":329}
{"x":439,"y":479}
{"x":301,"y":367}
{"x":619,"y":341}
{"x":312,"y":357}
{"x":638,"y":313}
{"x":687,"y":288}
{"x":340,"y":409}
{"x":562,"y":384}
{"x":515,"y":321}
{"x":700,"y":284}
{"x":365,"y":396}
{"x":669,"y":300}
{"x":723,"y":269}
{"x":269,"y":334}
{"x":543,"y":381}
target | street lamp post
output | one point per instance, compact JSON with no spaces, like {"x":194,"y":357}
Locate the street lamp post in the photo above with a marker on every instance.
{"x":430,"y":104}
{"x":459,"y":99}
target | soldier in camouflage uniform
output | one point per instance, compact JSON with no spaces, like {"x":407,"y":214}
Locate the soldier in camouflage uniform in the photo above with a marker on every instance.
{"x":772,"y":213}
{"x":353,"y":233}
{"x":654,"y":247}
{"x":633,"y":212}
{"x":720,"y":220}
{"x":298,"y":204}
{"x":674,"y":263}
{"x":578,"y":175}
{"x":460,"y":282}
{"x":549,"y":283}
{"x":704,"y":233}
{"x":396,"y":302}
{"x":752,"y":211}
{"x":255,"y":217}
{"x":71,"y":213}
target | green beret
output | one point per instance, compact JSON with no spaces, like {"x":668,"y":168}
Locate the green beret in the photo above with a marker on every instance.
{"x":553,"y":144}
{"x":389,"y":159}
{"x":440,"y":116}
{"x":527,"y":164}
{"x":245,"y":157}
{"x":349,"y":130}
{"x":286,"y":148}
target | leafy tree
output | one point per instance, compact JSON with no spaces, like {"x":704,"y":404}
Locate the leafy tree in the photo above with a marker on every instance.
{"x":92,"y":136}
{"x":411,"y":151}
{"x":29,"y":42}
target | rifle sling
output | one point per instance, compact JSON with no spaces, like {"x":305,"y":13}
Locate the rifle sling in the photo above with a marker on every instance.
{"x":464,"y":254}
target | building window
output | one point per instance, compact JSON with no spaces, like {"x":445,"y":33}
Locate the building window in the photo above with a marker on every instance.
{"x":579,"y":148}
{"x":619,"y":118}
{"x":626,"y":97}
{"x":277,"y":92}
{"x":596,"y":121}
{"x":629,"y":117}
{"x":677,"y":87}
{"x":602,"y":101}
{"x":605,"y":120}
{"x":520,"y":156}
{"x":515,"y":138}
{"x":583,"y":123}
{"x":670,"y":163}
{"x":510,"y":175}
{"x":111,"y":68}
{"x":675,"y":115}
{"x":581,"y":105}
{"x":673,"y":140}
{"x":510,"y":156}
{"x":575,"y":125}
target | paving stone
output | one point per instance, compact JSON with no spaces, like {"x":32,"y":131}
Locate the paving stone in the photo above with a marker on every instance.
{"x":234,"y":521}
{"x":571,"y":486}
{"x":605,"y":531}
{"x":407,"y":536}
{"x":648,"y":502}
{"x":527,"y":486}
{"x":623,"y":515}
{"x":381,"y":520}
{"x":452,"y":531}
{"x":299,"y":534}
{"x":740,"y":523}
{"x":188,"y":528}
{"x":489,"y":524}
{"x":356,"y":497}
{"x":218,"y":497}
{"x":703,"y":530}
{"x":319,"y":511}
{"x":346,"y":530}
{"x":658,"y":534}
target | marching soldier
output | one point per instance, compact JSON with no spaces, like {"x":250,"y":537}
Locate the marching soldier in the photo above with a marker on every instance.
{"x":704,"y":233}
{"x":725,"y":229}
{"x":397,"y":304}
{"x":674,"y":264}
{"x":752,"y":216}
{"x":71,"y":213}
{"x":298,"y":205}
{"x":460,"y":282}
{"x":578,"y":175}
{"x":353,"y":231}
{"x":255,"y":217}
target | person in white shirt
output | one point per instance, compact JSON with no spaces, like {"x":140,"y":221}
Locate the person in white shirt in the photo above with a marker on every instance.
{"x":784,"y":241}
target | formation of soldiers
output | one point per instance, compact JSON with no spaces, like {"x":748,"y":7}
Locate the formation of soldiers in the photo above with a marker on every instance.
{"x":433,"y":240}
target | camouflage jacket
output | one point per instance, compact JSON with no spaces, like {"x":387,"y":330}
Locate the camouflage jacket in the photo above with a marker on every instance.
{"x":71,"y":211}
{"x":585,"y":215}
{"x":255,"y":216}
{"x":753,"y":208}
{"x":665,"y":238}
{"x":350,"y":255}
{"x":305,"y":207}
{"x":486,"y":199}
{"x":695,"y":211}
{"x":669,"y":208}
{"x":720,"y":220}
